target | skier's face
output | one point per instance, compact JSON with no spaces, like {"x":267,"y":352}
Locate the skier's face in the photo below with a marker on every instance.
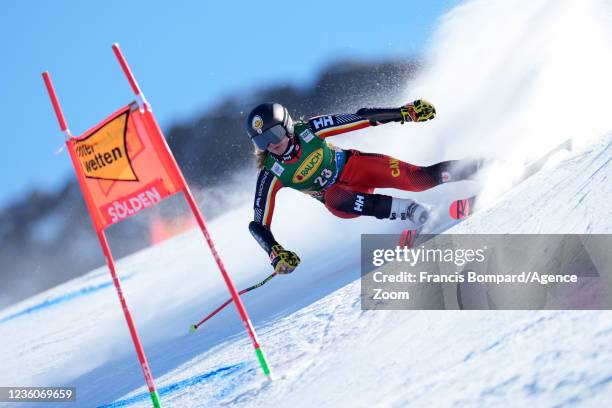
{"x":280,"y":147}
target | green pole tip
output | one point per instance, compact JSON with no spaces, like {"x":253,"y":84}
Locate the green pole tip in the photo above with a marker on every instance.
{"x":155,"y":399}
{"x":193,"y":328}
{"x":263,"y":362}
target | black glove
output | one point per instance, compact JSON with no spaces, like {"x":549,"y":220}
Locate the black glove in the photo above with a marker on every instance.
{"x":283,"y":261}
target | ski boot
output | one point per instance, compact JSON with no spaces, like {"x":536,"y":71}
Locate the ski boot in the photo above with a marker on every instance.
{"x":405,"y":208}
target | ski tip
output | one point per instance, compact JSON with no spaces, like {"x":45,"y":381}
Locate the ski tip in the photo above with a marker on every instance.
{"x":407,"y":238}
{"x":193,"y":328}
{"x":460,"y":209}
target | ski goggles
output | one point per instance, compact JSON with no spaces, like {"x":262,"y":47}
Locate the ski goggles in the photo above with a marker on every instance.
{"x":271,"y":136}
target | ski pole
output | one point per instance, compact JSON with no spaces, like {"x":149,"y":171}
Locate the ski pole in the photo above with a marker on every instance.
{"x":194,"y":327}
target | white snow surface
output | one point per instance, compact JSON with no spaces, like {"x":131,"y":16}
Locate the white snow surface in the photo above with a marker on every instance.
{"x":505,"y":79}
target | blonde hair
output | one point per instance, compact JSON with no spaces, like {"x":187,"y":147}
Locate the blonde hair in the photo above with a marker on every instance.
{"x":260,"y":157}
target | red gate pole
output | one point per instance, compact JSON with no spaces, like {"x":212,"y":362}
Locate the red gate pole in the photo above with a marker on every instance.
{"x":142,"y":358}
{"x":56,"y":106}
{"x":107,"y":252}
{"x":200,"y":219}
{"x":230,"y":285}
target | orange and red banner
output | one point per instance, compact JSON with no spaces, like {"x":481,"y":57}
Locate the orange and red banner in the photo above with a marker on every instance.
{"x":123,"y":166}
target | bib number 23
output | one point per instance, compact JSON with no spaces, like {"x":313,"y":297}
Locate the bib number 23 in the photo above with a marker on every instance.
{"x":323,"y":178}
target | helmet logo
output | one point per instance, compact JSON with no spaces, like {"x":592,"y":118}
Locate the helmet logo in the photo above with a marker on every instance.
{"x":257,"y":124}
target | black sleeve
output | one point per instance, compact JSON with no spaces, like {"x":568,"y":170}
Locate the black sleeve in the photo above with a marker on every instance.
{"x":331,"y":125}
{"x":263,"y":209}
{"x":381,"y":115}
{"x":263,"y":236}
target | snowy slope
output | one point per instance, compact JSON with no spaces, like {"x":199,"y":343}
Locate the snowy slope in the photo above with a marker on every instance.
{"x":327,"y":352}
{"x":323,"y":349}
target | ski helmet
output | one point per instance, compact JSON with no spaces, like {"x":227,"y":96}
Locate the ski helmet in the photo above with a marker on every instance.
{"x":268,"y":123}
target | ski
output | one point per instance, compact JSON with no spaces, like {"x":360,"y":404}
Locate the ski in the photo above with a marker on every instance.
{"x":465,"y":207}
{"x":407,"y":238}
{"x":536,"y":165}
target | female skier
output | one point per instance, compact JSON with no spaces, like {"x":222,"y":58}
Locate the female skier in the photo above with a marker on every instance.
{"x":296,"y":155}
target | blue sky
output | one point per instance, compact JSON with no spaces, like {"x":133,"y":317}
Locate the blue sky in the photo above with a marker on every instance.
{"x":186,"y":55}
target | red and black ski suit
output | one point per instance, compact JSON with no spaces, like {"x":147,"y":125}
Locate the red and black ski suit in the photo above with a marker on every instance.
{"x":352,"y":194}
